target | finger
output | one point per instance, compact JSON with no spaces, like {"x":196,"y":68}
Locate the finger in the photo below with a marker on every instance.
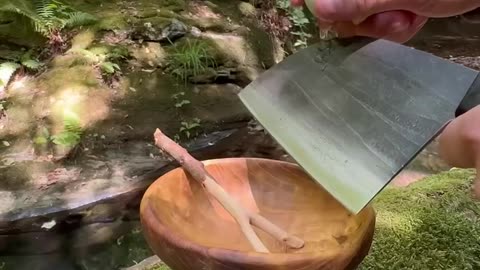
{"x":358,"y":10}
{"x":398,"y":26}
{"x":403,"y":36}
{"x":459,"y":142}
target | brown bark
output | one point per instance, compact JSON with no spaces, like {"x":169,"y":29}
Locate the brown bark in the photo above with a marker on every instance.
{"x":244,"y":218}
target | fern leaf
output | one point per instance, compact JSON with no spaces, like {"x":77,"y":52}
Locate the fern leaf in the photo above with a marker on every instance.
{"x":79,"y":18}
{"x":7,"y":69}
{"x":109,"y":67}
{"x":32,"y":64}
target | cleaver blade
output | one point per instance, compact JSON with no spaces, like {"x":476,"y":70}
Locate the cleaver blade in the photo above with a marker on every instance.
{"x":354,"y":113}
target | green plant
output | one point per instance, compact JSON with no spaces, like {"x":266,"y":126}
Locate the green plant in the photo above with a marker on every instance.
{"x":25,"y":61}
{"x":109,"y":67}
{"x":48,"y":17}
{"x":105,"y":58}
{"x":179,"y":100}
{"x":7,"y":69}
{"x":71,"y":133}
{"x":29,"y":61}
{"x":191,"y":59}
{"x":190,"y":128}
{"x":300,"y":22}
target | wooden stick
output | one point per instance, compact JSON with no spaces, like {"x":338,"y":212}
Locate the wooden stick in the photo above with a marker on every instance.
{"x":244,"y":218}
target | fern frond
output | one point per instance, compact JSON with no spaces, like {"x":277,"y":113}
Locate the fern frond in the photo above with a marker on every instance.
{"x":47,"y":16}
{"x":71,"y":134}
{"x":32,"y":64}
{"x":7,"y":69}
{"x":78,"y":18}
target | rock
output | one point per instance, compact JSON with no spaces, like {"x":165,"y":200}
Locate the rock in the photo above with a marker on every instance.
{"x":471,"y":62}
{"x":220,"y":75}
{"x":149,"y":54}
{"x":239,"y":59}
{"x":162,"y":32}
{"x":195,"y":31}
{"x":247,"y":9}
{"x":217,"y":89}
{"x":175,"y":30}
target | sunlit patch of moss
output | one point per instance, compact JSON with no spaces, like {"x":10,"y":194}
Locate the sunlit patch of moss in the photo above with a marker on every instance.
{"x":432,"y":224}
{"x":111,"y":23}
{"x":60,"y":78}
{"x":159,"y":267}
{"x":83,"y":39}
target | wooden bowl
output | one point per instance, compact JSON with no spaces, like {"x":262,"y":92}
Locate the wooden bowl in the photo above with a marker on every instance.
{"x":190,"y":231}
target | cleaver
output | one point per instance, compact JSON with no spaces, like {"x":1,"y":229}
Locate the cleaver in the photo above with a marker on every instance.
{"x":354,"y":112}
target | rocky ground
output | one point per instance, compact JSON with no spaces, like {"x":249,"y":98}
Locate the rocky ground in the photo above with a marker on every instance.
{"x":76,"y":148}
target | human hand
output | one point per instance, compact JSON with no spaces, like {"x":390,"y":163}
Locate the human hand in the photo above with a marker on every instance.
{"x":459,"y":144}
{"x":396,"y":20}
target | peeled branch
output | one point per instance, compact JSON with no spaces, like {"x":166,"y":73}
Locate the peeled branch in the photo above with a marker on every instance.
{"x":244,"y":217}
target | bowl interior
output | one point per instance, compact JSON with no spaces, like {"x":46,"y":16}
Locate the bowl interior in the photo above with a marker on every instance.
{"x":280,"y":191}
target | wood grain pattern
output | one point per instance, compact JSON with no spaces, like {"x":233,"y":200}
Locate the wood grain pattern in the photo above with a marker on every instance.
{"x":189,"y":231}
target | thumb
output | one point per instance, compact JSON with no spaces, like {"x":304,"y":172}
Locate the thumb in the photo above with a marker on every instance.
{"x":398,"y":26}
{"x":355,"y":10}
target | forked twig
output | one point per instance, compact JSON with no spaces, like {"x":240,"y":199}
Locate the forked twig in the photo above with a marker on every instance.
{"x":244,"y":218}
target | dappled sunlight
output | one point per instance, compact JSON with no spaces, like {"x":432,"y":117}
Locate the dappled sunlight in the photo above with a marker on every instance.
{"x":234,"y":47}
{"x":203,"y":11}
{"x":83,"y":40}
{"x":76,"y":103}
{"x":6,"y":71}
{"x":397,"y":221}
{"x":206,"y":17}
{"x":151,"y":54}
{"x":7,"y":201}
{"x":18,"y":84}
{"x":18,"y":121}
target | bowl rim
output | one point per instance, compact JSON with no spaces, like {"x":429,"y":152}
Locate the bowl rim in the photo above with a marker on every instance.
{"x":218,"y":253}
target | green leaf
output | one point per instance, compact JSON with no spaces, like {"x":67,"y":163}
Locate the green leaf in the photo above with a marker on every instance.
{"x":108,"y":67}
{"x":32,"y":64}
{"x":7,"y":69}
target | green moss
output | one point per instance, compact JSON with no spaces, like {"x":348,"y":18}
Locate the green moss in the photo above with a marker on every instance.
{"x":156,"y":22}
{"x":159,"y":267}
{"x":173,"y":5}
{"x":111,"y":23}
{"x":433,"y":224}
